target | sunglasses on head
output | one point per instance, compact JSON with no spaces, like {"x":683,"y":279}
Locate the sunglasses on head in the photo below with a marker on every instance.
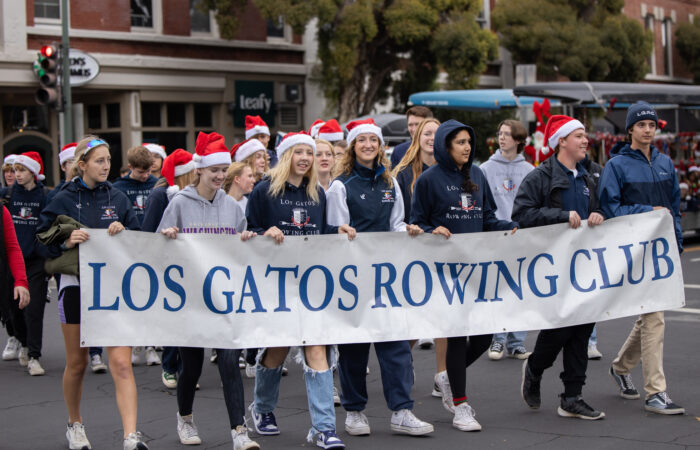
{"x":92,"y":144}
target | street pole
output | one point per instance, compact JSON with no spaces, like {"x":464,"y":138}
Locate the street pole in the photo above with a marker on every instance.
{"x":65,"y":75}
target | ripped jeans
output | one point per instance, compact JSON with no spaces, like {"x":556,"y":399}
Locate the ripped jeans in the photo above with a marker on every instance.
{"x":319,"y":389}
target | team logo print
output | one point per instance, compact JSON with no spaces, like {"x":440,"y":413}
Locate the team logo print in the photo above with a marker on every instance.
{"x":300,"y":217}
{"x":25,"y":213}
{"x":387,"y":197}
{"x":362,"y":196}
{"x":586,"y":191}
{"x":109,"y":213}
{"x":508,"y":185}
{"x":466,"y":203}
{"x":140,"y":202}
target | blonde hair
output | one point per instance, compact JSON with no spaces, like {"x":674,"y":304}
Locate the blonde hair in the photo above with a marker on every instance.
{"x":347,"y":163}
{"x":234,"y":170}
{"x":180,"y":181}
{"x":325,"y":142}
{"x":280,"y":173}
{"x":250,"y":160}
{"x":80,"y":150}
{"x":412,"y":157}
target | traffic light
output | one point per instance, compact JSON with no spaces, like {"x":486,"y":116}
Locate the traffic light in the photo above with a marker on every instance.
{"x":47,"y":69}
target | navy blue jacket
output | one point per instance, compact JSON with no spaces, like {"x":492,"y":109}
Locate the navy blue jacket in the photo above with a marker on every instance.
{"x":399,"y":151}
{"x":155,"y":207}
{"x":25,"y":207}
{"x":293,"y":212}
{"x":137,"y":192}
{"x":55,"y":191}
{"x":632,"y":184}
{"x":438,"y":199}
{"x":405,"y":178}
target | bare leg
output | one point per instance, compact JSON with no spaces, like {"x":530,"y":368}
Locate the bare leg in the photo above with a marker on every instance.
{"x":73,"y":374}
{"x":124,"y":386}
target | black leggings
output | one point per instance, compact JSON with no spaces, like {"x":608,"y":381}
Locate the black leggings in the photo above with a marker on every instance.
{"x":461,"y":353}
{"x":192,"y":360}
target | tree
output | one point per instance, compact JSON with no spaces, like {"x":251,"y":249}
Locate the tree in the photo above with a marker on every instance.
{"x":584,"y":40}
{"x":371,"y":49}
{"x":688,"y":45}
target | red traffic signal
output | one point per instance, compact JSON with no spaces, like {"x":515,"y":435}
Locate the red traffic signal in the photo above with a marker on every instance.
{"x":48,"y":51}
{"x":49,"y":89}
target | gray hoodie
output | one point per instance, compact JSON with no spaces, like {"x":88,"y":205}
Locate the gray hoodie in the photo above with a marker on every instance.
{"x":194,"y":214}
{"x":504,"y":178}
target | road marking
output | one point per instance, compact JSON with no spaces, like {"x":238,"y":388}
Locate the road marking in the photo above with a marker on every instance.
{"x":687,"y":310}
{"x":692,"y":286}
{"x":695,"y":260}
{"x":692,"y":249}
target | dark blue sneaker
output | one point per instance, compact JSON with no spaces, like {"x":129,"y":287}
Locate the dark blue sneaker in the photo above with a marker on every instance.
{"x":661,"y":403}
{"x":325,"y":439}
{"x":264,"y":424}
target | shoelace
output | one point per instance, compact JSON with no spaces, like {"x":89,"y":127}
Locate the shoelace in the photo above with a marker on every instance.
{"x":242,"y":435}
{"x":78,"y":433}
{"x":359,"y":418}
{"x":330,"y":437}
{"x":189,"y":430}
{"x":466,"y":411}
{"x":497,"y":347}
{"x":626,"y":381}
{"x":664,"y":396}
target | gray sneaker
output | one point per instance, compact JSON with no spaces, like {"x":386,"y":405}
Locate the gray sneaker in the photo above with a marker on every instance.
{"x":134,"y":441}
{"x":77,"y":440}
{"x":625,"y":385}
{"x":661,"y":403}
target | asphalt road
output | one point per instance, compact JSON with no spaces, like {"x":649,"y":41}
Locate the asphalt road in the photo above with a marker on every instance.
{"x":33,"y":415}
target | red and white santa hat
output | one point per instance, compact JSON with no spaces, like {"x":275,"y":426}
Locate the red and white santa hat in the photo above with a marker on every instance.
{"x":313,"y":129}
{"x":9,"y":160}
{"x":179,"y":162}
{"x":67,"y":152}
{"x":358,"y":127}
{"x":156,"y":150}
{"x":244,"y":149}
{"x":693,"y":168}
{"x":331,"y":131}
{"x":292,"y":139}
{"x":559,"y":126}
{"x":33,"y":162}
{"x":210,"y":150}
{"x":255,"y":125}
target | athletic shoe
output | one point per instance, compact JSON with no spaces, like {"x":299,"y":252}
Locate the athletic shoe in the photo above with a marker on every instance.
{"x":241,"y":441}
{"x":152,"y":358}
{"x":34,"y":368}
{"x":661,"y":403}
{"x":324,"y":439}
{"x":285,"y":371}
{"x":465,"y":418}
{"x":214,"y":358}
{"x":187,"y":430}
{"x":519,"y":352}
{"x":97,"y":365}
{"x":425,"y":344}
{"x":496,"y":351}
{"x":625,"y":385}
{"x":403,"y":421}
{"x":11,"y":349}
{"x":442,"y":384}
{"x":336,"y":397}
{"x":241,"y":362}
{"x":23,"y":356}
{"x":138,"y":356}
{"x":530,"y":387}
{"x":436,"y":387}
{"x":169,"y":380}
{"x":368,"y":371}
{"x":576,"y":407}
{"x":356,"y":423}
{"x":264,"y":424}
{"x":250,"y":370}
{"x":134,"y":441}
{"x":594,"y":353}
{"x":77,"y":440}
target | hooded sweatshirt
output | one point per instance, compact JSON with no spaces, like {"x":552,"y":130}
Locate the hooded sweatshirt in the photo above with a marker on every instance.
{"x":192,"y":213}
{"x":137,"y":191}
{"x":438,"y":198}
{"x":504,"y":177}
{"x":25,"y":207}
{"x":405,"y":178}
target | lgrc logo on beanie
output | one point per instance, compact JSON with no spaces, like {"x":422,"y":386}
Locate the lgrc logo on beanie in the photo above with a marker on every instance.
{"x":638,"y":112}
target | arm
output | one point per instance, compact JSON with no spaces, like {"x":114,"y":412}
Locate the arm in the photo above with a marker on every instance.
{"x":337,"y":212}
{"x":155,"y":206}
{"x":529,"y":209}
{"x":325,"y":227}
{"x":676,"y":208}
{"x":420,"y":212}
{"x":396,"y":222}
{"x":610,"y":197}
{"x":171,"y":216}
{"x":255,"y":210}
{"x":14,"y":254}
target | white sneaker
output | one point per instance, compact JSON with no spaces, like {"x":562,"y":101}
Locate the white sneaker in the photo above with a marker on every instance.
{"x":404,"y":421}
{"x":241,"y":362}
{"x":214,"y":358}
{"x":464,"y":419}
{"x":23,"y":356}
{"x":11,"y":349}
{"x":97,"y":365}
{"x":77,"y":440}
{"x":138,"y":356}
{"x":134,"y":441}
{"x":241,"y":441}
{"x":496,"y":351}
{"x":356,"y":423}
{"x":594,"y":353}
{"x":336,"y":397}
{"x":250,"y":370}
{"x":425,"y":344}
{"x":443,"y":384}
{"x":187,"y":430}
{"x":34,"y":368}
{"x":152,"y":358}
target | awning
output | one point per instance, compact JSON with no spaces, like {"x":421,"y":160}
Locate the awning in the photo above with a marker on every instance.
{"x":603,"y":92}
{"x":474,"y":99}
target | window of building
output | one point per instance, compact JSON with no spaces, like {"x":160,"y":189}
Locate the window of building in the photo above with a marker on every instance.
{"x":150,"y":114}
{"x":649,"y":26}
{"x":25,"y":118}
{"x":175,"y":125}
{"x":176,"y":114}
{"x":275,"y":28}
{"x":47,"y":9}
{"x":666,"y":34}
{"x":200,"y":22}
{"x":94,"y":117}
{"x":142,"y":13}
{"x":203,"y":115}
{"x":113,"y":115}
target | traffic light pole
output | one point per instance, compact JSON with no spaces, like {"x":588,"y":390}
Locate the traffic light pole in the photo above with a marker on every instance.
{"x":65,"y":76}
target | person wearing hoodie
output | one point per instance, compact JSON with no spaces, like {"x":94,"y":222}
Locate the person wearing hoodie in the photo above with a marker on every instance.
{"x":138,"y":183}
{"x":504,"y":171}
{"x":292,"y":203}
{"x":454,"y":197}
{"x":92,"y":201}
{"x":203,"y":207}
{"x":560,"y":190}
{"x":365,"y":196}
{"x":639,"y":179}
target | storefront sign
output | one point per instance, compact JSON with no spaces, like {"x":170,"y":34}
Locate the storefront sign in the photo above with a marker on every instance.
{"x":83,"y":67}
{"x":254,"y":98}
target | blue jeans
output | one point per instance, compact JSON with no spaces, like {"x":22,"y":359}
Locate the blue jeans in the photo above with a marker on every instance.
{"x":512,"y":340}
{"x":593,"y":340}
{"x":170,"y":361}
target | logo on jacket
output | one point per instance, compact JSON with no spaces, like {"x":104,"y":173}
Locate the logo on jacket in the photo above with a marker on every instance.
{"x":362,"y":196}
{"x":586,"y":191}
{"x":140,"y":202}
{"x":109,"y":213}
{"x":466,"y":203}
{"x":25,"y":213}
{"x":508,"y":185}
{"x":387,"y":196}
{"x":300,"y":219}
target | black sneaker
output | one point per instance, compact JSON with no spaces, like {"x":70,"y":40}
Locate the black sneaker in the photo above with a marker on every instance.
{"x":530,"y":387}
{"x":625,"y":385}
{"x":661,"y":403}
{"x":576,"y":407}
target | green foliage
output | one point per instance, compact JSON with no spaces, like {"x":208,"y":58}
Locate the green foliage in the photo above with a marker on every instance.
{"x":584,"y":40}
{"x":226,"y":16}
{"x":688,"y":45}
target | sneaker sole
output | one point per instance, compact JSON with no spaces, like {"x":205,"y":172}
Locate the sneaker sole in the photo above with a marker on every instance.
{"x":667,"y":412}
{"x":37,"y":374}
{"x":622,"y":394}
{"x":358,"y":431}
{"x":197,"y":441}
{"x":472,"y":427}
{"x":564,"y":413}
{"x":595,"y":358}
{"x":265,"y":433}
{"x":9,"y":358}
{"x":325,"y":446}
{"x":412,"y":431}
{"x":99,"y":369}
{"x":495,"y":356}
{"x":522,"y":388}
{"x":520,"y":356}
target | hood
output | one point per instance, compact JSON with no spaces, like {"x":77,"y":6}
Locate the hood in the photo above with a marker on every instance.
{"x":623,"y":148}
{"x":499,"y":158}
{"x":77,"y":185}
{"x":442,"y":157}
{"x":617,"y":148}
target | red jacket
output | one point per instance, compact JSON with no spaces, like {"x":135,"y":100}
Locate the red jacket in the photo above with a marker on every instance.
{"x":15,"y":261}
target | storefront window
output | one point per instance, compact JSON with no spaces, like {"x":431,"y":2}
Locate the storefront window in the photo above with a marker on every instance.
{"x":47,"y":9}
{"x":24,"y":118}
{"x":94,"y":117}
{"x":176,"y":114}
{"x":142,"y":13}
{"x":113,"y":115}
{"x":199,"y":21}
{"x":202,"y":115}
{"x":150,"y":114}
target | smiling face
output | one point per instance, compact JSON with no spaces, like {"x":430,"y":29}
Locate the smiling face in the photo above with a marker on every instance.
{"x":302,"y":160}
{"x":246,"y":180}
{"x":574,"y":145}
{"x":366,"y":149}
{"x":324,"y":159}
{"x":427,"y":137}
{"x":96,"y":164}
{"x":259,"y":162}
{"x":213,"y":177}
{"x":642,"y":133}
{"x":460,"y":148}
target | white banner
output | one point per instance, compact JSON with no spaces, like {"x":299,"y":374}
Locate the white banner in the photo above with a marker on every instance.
{"x":216,"y":291}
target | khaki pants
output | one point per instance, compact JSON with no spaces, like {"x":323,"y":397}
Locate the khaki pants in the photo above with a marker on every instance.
{"x":645,"y":341}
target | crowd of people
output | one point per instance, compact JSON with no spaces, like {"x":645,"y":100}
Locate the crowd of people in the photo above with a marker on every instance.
{"x":348,"y":185}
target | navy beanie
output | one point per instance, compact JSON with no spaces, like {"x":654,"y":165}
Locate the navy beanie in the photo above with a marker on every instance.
{"x":640,"y":111}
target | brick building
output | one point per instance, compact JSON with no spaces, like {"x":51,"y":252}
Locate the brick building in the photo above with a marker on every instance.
{"x":165,"y":74}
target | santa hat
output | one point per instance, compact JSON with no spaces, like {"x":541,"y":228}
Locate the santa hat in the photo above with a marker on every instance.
{"x":241,"y":151}
{"x":156,"y":149}
{"x":313,"y":130}
{"x":33,"y":162}
{"x":559,"y":126}
{"x":67,"y":152}
{"x":358,"y":127}
{"x":683,"y":185}
{"x":9,"y":160}
{"x":292,"y":139}
{"x":693,"y":169}
{"x":210,"y":150}
{"x":331,"y":131}
{"x":255,"y":125}
{"x":178,"y":163}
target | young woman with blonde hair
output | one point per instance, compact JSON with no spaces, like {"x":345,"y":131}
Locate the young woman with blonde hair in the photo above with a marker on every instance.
{"x":325,"y":160}
{"x":239,"y":182}
{"x":252,"y":152}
